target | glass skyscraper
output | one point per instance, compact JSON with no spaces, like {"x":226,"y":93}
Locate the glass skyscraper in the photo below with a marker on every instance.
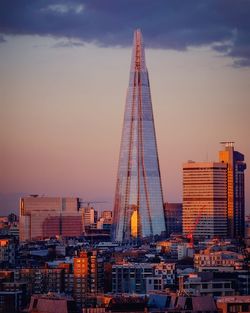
{"x":138,"y":209}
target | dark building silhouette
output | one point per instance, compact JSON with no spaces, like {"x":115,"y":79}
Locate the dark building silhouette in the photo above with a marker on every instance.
{"x":173,"y":217}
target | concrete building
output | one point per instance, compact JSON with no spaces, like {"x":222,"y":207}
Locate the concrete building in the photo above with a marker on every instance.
{"x":185,"y":250}
{"x":173,"y":217}
{"x":197,"y":286}
{"x":142,"y":277}
{"x":205,"y":199}
{"x":43,"y":217}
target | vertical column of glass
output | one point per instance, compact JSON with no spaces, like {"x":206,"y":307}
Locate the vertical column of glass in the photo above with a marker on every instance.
{"x":138,"y":185}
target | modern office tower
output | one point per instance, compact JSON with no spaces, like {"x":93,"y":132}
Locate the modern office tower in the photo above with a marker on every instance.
{"x":173,"y":217}
{"x":236,"y":189}
{"x":204,"y":199}
{"x":43,"y":217}
{"x":88,"y":276}
{"x":138,"y":209}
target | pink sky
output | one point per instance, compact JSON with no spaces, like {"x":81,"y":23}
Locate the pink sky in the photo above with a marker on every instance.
{"x":62,"y":111}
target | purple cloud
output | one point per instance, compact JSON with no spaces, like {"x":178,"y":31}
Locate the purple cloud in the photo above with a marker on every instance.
{"x":166,"y":24}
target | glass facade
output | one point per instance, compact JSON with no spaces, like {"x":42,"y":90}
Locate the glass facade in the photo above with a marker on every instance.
{"x":138,"y":187}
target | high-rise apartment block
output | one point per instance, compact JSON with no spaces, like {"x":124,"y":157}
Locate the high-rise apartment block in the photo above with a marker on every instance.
{"x":138,"y":209}
{"x":88,"y":276}
{"x":43,"y":217}
{"x":213,"y":196}
{"x":205,"y":199}
{"x":235,"y":189}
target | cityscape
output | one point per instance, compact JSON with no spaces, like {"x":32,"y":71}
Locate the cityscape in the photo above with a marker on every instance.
{"x":159,"y":223}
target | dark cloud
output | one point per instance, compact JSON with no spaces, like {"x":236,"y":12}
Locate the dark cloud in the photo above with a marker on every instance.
{"x":167,"y":24}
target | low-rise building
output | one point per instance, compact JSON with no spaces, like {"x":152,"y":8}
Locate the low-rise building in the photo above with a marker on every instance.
{"x":141,"y":278}
{"x":206,"y":258}
{"x":234,"y":304}
{"x":198,"y":286}
{"x":51,"y":303}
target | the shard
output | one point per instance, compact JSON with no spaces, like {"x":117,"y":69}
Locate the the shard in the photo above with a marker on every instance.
{"x":138,"y":209}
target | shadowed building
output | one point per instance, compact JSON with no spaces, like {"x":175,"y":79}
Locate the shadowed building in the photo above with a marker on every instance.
{"x":173,"y":217}
{"x":52,"y":302}
{"x":138,"y":209}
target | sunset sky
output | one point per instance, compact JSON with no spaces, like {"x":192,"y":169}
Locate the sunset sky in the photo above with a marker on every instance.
{"x":64,"y":68}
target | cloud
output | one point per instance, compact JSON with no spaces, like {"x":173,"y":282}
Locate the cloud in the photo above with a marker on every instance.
{"x":68,"y":43}
{"x":166,"y":24}
{"x":65,"y":8}
{"x":2,"y":39}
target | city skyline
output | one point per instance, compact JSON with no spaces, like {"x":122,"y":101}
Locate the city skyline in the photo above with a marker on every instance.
{"x":61,"y":137}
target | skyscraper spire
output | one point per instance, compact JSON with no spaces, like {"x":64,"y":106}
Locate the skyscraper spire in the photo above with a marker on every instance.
{"x":138,"y":55}
{"x":138,"y":209}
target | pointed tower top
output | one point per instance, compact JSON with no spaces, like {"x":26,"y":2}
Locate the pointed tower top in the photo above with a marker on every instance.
{"x":138,"y":54}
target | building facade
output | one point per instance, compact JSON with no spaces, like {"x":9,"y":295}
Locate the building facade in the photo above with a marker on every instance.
{"x":88,"y":276}
{"x":43,"y":217}
{"x":205,"y":199}
{"x":235,"y":188}
{"x":141,"y":278}
{"x":7,"y":252}
{"x":138,"y":209}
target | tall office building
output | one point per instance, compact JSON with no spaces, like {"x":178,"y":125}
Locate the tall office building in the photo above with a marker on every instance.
{"x":235,"y":188}
{"x":205,"y":199}
{"x":43,"y":217}
{"x":138,"y":209}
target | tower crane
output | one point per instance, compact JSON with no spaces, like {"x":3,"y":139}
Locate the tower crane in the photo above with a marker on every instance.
{"x":190,"y":235}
